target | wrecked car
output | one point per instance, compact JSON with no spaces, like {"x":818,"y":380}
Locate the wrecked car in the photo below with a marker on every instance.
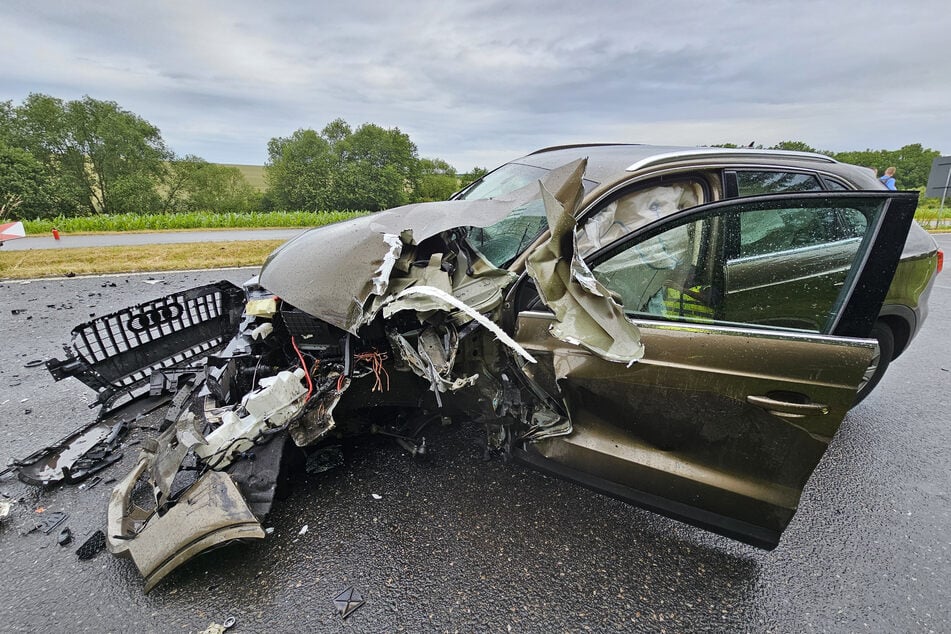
{"x":683,"y":329}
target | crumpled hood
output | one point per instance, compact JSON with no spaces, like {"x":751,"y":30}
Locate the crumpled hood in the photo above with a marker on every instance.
{"x":331,"y":271}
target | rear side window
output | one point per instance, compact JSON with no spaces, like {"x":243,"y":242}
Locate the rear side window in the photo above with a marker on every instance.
{"x":773,"y":231}
{"x":754,"y":183}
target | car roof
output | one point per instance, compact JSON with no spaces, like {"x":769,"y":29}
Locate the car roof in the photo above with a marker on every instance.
{"x":615,"y":161}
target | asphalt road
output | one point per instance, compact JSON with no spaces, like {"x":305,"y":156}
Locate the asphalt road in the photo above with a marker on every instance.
{"x":460,"y":544}
{"x":68,"y":241}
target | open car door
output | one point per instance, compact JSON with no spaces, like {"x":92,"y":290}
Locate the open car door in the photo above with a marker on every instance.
{"x":754,"y":314}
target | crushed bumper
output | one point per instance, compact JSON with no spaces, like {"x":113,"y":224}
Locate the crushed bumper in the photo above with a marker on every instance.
{"x":211,"y":513}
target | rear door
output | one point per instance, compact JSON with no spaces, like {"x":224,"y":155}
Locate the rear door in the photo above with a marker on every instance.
{"x":748,"y":371}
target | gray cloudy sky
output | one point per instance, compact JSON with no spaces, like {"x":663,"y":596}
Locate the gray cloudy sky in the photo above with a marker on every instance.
{"x":480,"y":82}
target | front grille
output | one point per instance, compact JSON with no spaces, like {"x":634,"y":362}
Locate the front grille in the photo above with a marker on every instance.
{"x":125,"y":347}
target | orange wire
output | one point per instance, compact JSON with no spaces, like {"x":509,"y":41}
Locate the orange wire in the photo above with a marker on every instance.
{"x":303,"y":365}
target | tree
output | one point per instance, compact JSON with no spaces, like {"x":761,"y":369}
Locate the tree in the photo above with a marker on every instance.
{"x":472,"y":175}
{"x":193,"y":184}
{"x":795,"y":146}
{"x":911,"y":162}
{"x":23,"y":178}
{"x":369,"y":168}
{"x":102,"y":158}
{"x":6,"y":122}
{"x":298,"y":171}
{"x":437,"y":180}
{"x":118,"y":156}
{"x":376,"y":168}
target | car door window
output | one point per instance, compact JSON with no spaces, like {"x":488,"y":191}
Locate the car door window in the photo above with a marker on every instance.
{"x":763,"y":263}
{"x":775,"y":231}
{"x":634,"y":210}
{"x":756,"y":182}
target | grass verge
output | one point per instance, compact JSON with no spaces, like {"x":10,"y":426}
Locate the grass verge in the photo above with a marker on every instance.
{"x":159,"y":257}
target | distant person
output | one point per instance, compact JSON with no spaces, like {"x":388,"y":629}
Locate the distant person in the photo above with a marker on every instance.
{"x":888,"y":179}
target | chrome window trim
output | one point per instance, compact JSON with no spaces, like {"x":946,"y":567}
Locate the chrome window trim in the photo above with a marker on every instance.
{"x":667,"y":157}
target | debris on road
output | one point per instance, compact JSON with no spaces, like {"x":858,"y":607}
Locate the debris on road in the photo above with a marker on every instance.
{"x":219,"y":628}
{"x":94,"y":544}
{"x":347,"y":602}
{"x":49,"y":521}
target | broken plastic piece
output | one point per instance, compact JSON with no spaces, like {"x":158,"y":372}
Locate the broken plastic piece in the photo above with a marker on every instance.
{"x":261,"y":307}
{"x":65,"y":537}
{"x":271,"y":406}
{"x":92,"y":483}
{"x":116,"y":354}
{"x":262,"y":331}
{"x":92,"y":546}
{"x":348,"y":601}
{"x":454,"y":302}
{"x":86,"y":451}
{"x":50,"y":521}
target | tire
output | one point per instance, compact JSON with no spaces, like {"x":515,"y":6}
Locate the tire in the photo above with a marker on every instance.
{"x":876,"y":369}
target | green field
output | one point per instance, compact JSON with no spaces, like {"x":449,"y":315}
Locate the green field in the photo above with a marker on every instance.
{"x":254,"y":174}
{"x":187,"y":220}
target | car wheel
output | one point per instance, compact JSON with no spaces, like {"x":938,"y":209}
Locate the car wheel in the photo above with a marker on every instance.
{"x":879,"y":363}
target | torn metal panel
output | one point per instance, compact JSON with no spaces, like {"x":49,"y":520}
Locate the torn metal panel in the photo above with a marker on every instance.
{"x":587,"y":315}
{"x":381,"y":277}
{"x":364,"y":250}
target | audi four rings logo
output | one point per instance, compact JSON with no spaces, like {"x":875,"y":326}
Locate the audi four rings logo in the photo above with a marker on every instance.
{"x":154,"y":317}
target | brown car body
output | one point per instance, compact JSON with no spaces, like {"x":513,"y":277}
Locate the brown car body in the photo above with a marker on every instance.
{"x":682,"y":328}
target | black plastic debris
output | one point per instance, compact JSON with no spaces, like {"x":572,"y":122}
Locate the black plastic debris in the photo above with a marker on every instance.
{"x":347,"y":602}
{"x":35,"y":363}
{"x":86,"y":451}
{"x":93,"y":481}
{"x":92,"y":546}
{"x":65,"y":537}
{"x":49,"y":521}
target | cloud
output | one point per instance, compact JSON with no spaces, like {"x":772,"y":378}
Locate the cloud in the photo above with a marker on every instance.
{"x":479,"y":83}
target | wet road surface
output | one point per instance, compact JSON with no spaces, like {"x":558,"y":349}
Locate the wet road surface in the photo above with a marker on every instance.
{"x":463,"y":544}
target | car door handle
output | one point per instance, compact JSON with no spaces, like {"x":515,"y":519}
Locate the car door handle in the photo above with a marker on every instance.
{"x":787,"y":409}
